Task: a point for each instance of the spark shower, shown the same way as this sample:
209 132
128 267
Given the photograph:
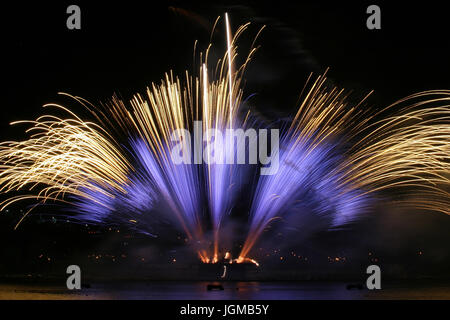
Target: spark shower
336 159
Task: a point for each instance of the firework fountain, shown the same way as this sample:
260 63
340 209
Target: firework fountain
335 159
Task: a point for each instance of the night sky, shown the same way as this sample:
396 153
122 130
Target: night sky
123 48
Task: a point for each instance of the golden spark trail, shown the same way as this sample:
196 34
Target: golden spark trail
405 155
71 157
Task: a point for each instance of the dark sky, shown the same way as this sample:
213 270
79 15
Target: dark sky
124 46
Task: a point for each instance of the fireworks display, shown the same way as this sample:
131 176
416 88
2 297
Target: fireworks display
336 159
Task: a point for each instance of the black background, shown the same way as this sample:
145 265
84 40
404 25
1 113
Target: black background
124 46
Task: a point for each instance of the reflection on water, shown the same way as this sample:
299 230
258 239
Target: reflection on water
187 291
232 290
238 290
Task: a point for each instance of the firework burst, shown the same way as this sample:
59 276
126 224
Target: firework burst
336 159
